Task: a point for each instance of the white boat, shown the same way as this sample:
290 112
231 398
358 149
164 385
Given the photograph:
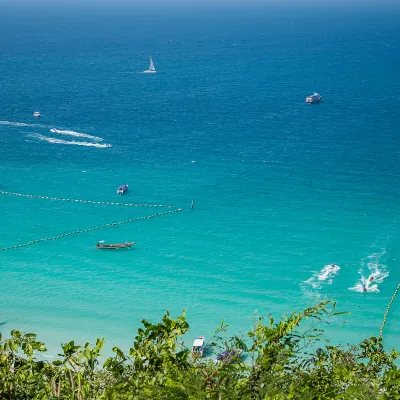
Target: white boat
151 69
122 189
198 347
36 114
314 98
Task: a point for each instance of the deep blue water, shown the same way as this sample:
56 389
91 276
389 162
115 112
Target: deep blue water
281 188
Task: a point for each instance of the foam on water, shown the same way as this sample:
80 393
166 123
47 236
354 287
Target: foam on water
66 132
378 273
21 124
72 142
76 134
323 277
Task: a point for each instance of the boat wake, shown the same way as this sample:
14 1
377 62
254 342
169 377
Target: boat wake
71 142
21 124
323 277
65 132
377 274
76 134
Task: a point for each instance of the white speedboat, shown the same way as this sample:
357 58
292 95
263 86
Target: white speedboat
198 347
122 189
314 98
36 114
151 69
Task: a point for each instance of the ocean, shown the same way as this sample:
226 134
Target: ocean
281 189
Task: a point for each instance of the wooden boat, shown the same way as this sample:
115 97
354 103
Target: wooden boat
102 245
198 347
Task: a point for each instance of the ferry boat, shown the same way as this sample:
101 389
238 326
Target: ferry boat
198 347
122 189
314 98
102 245
36 114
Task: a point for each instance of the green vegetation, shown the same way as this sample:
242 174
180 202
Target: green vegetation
286 359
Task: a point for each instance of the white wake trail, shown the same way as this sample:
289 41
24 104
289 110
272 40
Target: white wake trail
76 134
377 273
21 124
324 277
72 142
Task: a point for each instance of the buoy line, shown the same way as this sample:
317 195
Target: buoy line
108 203
388 309
171 210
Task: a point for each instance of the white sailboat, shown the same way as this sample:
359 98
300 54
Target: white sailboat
151 69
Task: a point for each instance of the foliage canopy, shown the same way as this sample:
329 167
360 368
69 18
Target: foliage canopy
285 359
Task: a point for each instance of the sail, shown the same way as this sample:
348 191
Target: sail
151 68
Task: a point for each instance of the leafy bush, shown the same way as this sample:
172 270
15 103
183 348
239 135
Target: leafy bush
280 360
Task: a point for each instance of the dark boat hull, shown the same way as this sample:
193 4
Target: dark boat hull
114 246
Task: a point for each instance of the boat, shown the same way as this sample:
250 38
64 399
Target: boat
36 114
198 347
314 98
105 246
151 69
228 356
122 189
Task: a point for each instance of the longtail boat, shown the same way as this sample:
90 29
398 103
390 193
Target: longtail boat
102 245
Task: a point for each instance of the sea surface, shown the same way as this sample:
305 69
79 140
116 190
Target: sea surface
281 189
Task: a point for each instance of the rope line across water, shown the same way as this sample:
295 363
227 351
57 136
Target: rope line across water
108 203
388 309
90 229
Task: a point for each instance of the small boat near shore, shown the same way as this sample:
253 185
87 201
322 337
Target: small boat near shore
198 347
122 189
36 114
314 98
105 246
228 356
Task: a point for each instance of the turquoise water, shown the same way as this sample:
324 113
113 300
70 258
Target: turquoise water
281 188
